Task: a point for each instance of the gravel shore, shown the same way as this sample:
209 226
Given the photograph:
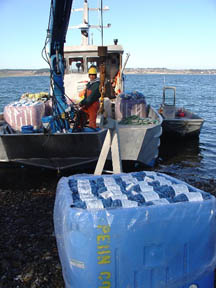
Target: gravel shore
28 252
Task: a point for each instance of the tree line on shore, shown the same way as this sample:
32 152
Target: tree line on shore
46 71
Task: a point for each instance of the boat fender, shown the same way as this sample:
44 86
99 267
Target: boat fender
160 110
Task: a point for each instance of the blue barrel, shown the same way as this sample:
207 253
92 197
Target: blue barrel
157 239
27 129
48 123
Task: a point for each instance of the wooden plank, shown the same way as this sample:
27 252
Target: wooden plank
104 153
111 142
115 152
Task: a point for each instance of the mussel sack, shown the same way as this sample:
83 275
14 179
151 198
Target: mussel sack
129 104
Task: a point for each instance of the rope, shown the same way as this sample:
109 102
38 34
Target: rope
102 86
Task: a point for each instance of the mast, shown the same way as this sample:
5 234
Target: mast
85 29
102 22
85 26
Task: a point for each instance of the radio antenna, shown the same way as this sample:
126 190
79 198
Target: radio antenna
102 22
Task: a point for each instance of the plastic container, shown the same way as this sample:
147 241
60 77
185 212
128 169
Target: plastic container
28 129
47 122
169 245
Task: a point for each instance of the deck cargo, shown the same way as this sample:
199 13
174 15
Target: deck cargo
23 113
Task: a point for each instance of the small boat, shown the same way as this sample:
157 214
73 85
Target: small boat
178 121
25 138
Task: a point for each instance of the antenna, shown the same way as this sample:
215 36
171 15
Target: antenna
85 26
102 22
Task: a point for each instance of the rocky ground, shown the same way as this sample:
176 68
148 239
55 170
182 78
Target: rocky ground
28 252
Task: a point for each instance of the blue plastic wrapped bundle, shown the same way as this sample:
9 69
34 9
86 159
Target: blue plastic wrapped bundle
79 204
153 174
165 191
118 180
144 197
84 190
114 196
128 179
162 201
94 187
94 204
137 197
73 186
155 184
124 203
117 189
116 203
109 181
190 196
140 176
99 183
162 180
140 187
129 188
101 189
146 186
122 243
107 203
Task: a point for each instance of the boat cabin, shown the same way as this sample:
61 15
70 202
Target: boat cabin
79 59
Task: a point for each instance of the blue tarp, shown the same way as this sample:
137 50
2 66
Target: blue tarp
160 238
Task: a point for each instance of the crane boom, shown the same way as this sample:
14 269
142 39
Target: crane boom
58 24
60 11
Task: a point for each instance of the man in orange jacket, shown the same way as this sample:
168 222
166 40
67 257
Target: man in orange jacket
90 104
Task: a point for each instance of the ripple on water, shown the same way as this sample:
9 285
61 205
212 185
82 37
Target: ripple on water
194 92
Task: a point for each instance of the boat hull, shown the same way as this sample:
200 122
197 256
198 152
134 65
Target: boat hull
182 127
56 151
141 142
59 151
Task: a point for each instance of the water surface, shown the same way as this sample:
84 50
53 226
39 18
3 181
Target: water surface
187 159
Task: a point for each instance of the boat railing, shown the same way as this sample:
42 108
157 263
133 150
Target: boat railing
166 88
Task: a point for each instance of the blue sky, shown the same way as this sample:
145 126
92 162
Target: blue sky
158 33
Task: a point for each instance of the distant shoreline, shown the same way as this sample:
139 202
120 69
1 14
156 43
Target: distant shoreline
163 71
23 72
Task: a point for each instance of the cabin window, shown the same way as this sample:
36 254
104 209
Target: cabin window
93 61
76 65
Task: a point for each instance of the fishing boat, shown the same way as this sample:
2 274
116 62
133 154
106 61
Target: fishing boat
178 121
55 139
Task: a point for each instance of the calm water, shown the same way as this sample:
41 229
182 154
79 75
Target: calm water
187 159
197 93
